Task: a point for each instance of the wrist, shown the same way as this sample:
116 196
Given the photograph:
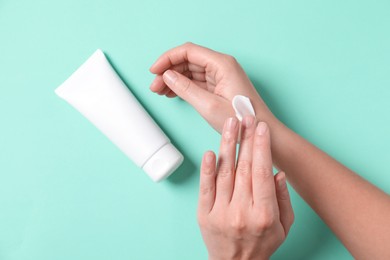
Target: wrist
280 133
263 114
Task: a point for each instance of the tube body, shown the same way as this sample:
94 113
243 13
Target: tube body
98 93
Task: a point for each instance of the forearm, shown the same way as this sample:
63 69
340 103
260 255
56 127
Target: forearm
356 211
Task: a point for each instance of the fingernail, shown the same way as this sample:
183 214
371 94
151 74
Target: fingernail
169 77
209 158
261 128
248 121
152 84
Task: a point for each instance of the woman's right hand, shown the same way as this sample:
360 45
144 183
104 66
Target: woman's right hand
206 79
244 210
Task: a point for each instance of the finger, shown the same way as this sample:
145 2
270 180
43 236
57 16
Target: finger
171 94
189 52
243 181
226 161
186 66
186 74
262 175
158 84
185 88
165 91
199 76
190 71
196 68
284 202
203 85
207 183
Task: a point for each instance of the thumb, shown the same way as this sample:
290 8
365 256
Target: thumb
185 88
284 202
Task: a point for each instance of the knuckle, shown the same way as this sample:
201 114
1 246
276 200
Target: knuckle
243 167
211 106
237 226
228 139
262 171
230 59
212 223
207 171
188 43
224 170
202 220
206 189
246 135
263 223
230 63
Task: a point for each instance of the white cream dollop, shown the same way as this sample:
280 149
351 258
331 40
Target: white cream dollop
242 106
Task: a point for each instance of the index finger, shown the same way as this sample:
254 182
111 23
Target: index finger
263 184
187 52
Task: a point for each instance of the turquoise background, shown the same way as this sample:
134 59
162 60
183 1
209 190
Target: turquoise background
66 192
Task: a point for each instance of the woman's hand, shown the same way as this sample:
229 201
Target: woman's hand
206 79
244 210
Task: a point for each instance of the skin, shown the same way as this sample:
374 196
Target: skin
356 211
244 211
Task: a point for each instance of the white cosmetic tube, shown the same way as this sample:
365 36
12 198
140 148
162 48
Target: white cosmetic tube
98 93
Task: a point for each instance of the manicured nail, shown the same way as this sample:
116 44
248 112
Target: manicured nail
248 121
261 128
169 77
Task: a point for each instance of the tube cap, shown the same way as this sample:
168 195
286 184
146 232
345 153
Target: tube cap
163 163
